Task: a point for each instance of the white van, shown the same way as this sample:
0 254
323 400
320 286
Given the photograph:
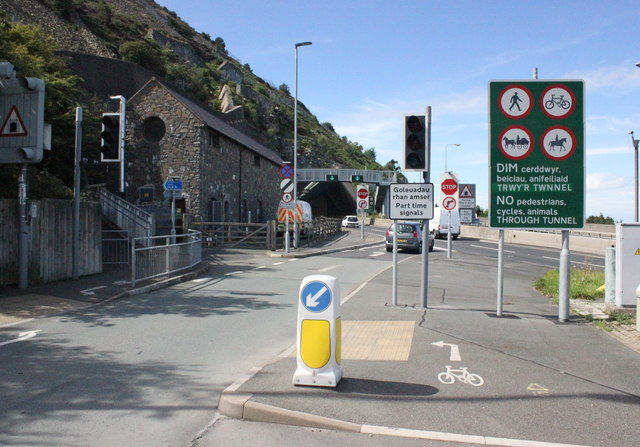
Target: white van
304 216
439 225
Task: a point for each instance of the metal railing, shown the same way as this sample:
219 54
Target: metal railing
156 256
115 247
233 234
138 223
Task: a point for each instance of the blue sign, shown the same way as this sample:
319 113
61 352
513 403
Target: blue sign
316 296
173 185
286 171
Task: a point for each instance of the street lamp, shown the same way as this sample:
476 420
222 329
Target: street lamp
635 146
295 144
445 154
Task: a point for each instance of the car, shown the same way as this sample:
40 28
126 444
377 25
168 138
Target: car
409 237
351 222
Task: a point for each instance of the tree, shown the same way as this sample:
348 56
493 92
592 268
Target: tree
480 212
600 220
32 53
145 54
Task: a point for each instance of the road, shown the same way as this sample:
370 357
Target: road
148 370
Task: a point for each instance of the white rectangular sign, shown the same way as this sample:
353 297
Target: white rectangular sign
411 201
627 263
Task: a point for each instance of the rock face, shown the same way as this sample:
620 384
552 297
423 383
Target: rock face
71 35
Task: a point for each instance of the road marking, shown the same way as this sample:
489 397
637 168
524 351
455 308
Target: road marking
538 390
449 376
87 292
234 273
261 267
378 253
278 263
455 350
293 259
490 248
22 336
548 257
326 269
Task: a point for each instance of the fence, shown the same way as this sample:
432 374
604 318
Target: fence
262 235
115 247
156 256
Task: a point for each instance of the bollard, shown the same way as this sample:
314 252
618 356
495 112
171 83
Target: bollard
319 336
638 308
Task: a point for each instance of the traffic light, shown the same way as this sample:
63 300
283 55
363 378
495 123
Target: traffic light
356 178
415 156
110 137
332 178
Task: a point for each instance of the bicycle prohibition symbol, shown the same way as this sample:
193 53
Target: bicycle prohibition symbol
557 101
462 374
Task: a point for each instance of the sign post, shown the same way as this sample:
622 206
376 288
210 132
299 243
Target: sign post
174 185
536 172
363 204
450 199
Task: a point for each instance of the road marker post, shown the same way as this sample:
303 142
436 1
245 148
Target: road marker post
319 332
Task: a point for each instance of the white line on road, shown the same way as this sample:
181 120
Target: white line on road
91 291
22 336
278 263
326 269
234 273
490 248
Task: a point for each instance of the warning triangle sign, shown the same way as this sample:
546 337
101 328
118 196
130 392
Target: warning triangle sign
638 251
466 192
13 126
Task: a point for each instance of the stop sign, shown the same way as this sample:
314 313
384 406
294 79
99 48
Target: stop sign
449 187
363 193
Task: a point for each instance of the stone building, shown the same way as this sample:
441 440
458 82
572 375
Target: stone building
226 175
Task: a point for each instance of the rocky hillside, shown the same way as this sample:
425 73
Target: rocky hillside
143 32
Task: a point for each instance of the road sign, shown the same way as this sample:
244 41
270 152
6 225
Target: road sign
287 197
536 141
411 201
22 132
286 171
449 191
449 186
363 191
173 184
467 202
286 185
316 296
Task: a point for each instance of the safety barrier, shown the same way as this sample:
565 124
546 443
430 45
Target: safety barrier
156 256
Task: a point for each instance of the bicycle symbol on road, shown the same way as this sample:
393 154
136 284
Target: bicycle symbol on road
462 374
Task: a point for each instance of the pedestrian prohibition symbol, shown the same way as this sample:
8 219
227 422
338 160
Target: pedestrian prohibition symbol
316 296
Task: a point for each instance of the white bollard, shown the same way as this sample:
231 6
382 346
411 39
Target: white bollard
638 308
319 332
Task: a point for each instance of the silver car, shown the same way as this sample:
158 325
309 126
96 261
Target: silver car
409 237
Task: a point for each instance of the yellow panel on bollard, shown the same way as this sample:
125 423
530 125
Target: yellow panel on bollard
319 332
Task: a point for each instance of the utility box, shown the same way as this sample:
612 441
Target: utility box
627 263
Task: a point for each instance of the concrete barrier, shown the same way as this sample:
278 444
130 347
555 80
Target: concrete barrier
590 245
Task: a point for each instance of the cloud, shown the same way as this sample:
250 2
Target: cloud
609 150
615 77
603 181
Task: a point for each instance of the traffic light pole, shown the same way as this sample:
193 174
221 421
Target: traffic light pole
122 109
23 240
424 284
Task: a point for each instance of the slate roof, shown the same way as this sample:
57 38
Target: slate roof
217 124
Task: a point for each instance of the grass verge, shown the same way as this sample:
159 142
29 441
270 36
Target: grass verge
584 284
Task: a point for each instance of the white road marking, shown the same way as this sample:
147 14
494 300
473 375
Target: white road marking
455 350
87 292
490 248
278 263
326 269
22 336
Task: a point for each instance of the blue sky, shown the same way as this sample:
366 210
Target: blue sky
374 61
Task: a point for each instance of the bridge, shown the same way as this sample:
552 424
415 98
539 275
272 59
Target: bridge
383 178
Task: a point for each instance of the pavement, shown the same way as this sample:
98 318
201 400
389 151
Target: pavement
543 383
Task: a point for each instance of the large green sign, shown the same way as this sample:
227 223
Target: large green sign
536 144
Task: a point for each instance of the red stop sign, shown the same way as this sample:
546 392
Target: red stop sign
363 193
449 187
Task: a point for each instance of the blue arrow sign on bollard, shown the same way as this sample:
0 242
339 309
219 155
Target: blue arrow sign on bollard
316 296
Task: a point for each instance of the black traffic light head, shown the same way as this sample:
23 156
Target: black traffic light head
415 156
356 178
110 137
332 178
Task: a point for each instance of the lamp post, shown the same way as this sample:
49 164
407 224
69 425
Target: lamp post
295 146
635 147
445 154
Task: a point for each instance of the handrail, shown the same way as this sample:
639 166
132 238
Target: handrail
127 216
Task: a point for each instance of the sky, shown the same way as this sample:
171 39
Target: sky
374 61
